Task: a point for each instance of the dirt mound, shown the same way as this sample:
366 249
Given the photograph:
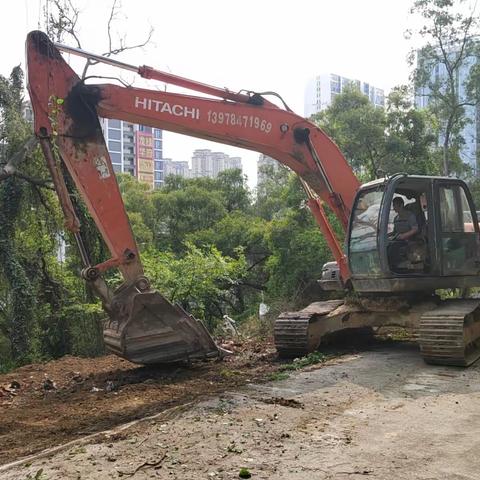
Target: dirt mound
43 405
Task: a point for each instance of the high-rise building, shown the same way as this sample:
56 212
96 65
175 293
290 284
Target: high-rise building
135 149
27 111
470 150
206 163
265 163
180 168
138 150
322 89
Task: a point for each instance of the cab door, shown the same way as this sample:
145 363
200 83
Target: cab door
457 229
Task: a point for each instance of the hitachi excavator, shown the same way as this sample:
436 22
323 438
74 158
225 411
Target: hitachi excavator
393 278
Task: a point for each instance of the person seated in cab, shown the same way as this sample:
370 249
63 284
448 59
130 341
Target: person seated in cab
405 227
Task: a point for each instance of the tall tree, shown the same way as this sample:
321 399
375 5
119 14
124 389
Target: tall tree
442 73
21 233
379 141
410 137
358 127
34 291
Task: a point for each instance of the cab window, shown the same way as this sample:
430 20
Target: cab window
364 256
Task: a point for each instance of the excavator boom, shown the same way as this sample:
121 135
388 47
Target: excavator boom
144 326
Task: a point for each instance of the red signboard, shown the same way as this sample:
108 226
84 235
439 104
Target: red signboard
145 161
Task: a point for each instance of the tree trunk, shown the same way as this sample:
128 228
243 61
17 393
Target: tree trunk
445 159
446 144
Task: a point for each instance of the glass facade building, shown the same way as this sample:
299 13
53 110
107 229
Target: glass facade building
470 133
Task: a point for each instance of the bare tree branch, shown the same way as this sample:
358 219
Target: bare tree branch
10 168
39 182
122 41
124 47
64 20
113 14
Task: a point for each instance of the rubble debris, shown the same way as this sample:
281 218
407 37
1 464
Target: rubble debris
49 384
149 464
284 402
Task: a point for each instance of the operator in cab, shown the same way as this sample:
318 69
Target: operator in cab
405 227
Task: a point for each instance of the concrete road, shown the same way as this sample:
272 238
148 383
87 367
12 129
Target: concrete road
379 414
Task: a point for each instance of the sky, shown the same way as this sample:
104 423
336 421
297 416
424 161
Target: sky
261 45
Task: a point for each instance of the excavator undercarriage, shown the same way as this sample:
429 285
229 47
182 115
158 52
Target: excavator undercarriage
448 332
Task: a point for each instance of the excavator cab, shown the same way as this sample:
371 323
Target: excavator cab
442 253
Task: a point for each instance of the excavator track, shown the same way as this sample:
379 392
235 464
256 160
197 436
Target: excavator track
295 333
450 334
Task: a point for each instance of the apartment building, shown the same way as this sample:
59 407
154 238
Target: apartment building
172 167
322 89
206 163
136 150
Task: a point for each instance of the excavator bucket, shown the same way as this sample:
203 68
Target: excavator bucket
145 328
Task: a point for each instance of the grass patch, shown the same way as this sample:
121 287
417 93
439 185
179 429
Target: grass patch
299 363
227 373
277 376
244 473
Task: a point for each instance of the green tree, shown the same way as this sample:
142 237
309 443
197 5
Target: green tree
35 291
358 128
299 252
297 249
239 233
268 202
200 280
21 305
450 45
184 211
375 141
410 137
234 230
232 185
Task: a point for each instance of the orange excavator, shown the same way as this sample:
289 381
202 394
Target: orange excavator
394 259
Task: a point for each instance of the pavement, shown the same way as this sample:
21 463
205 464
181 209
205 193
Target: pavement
378 414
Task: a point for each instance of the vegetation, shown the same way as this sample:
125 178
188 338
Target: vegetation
377 141
450 46
211 245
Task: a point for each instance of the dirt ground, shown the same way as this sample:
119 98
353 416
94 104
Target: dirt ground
61 400
381 413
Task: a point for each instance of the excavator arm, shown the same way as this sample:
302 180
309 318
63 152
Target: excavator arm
66 111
